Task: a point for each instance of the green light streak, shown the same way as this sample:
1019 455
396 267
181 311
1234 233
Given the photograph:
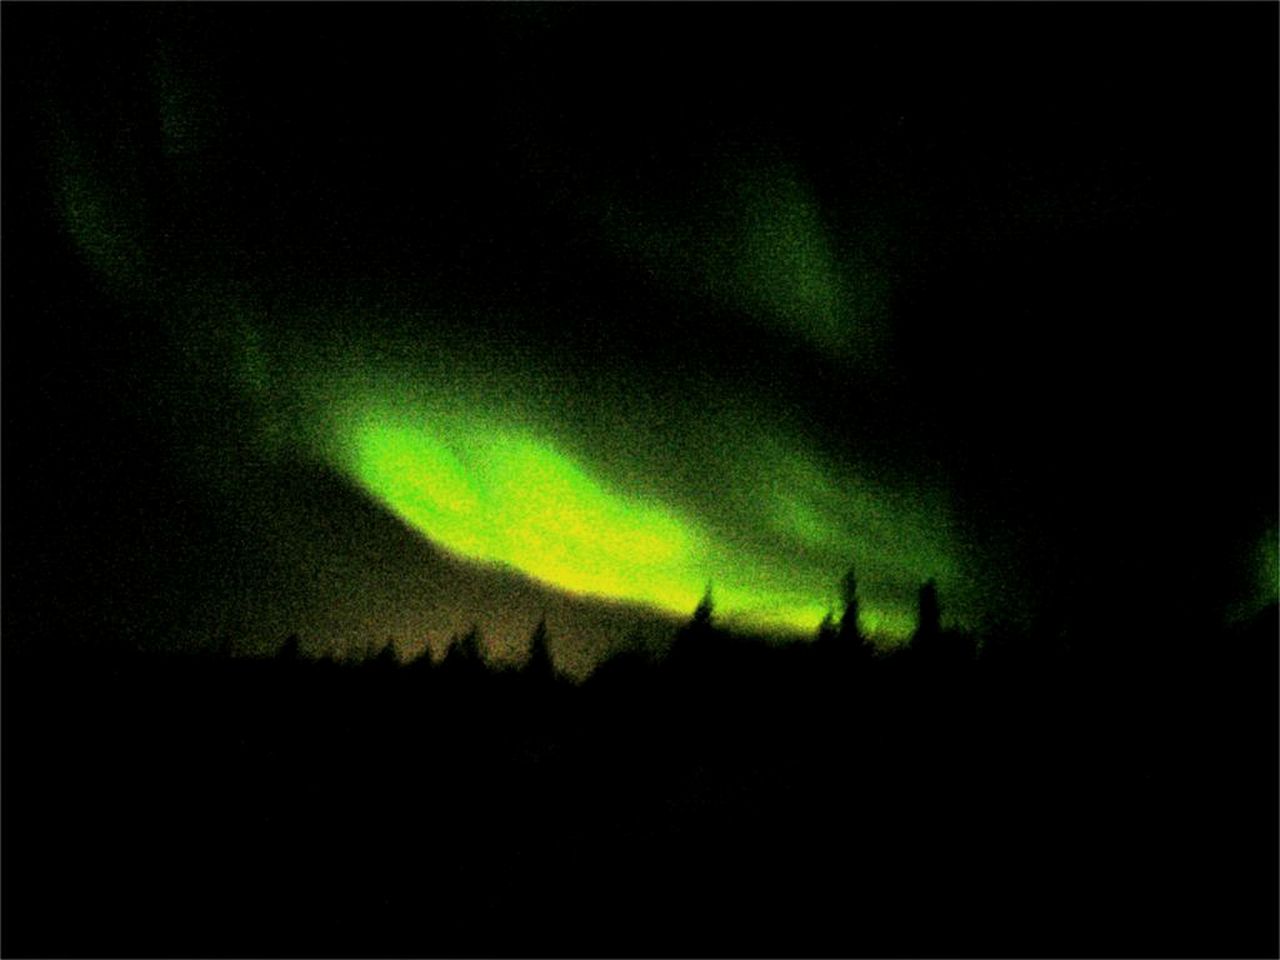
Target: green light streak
106 224
757 239
621 486
491 491
500 497
783 266
1267 565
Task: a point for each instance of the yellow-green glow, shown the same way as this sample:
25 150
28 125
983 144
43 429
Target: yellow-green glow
596 485
893 624
500 497
493 493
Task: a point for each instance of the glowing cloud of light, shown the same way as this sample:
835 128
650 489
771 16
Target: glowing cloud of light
499 497
486 488
488 449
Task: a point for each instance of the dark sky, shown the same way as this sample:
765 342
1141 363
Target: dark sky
989 288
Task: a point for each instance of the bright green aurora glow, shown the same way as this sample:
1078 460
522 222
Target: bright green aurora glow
773 535
504 498
598 480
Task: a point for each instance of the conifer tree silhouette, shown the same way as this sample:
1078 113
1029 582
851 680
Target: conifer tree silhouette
849 635
470 646
703 613
421 663
290 649
929 620
386 658
694 639
539 665
464 652
928 641
827 630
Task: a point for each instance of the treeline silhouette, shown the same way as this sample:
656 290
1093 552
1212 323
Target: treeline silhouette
1001 795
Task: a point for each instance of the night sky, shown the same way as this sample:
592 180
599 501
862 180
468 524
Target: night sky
376 322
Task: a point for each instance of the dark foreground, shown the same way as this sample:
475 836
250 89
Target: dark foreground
741 800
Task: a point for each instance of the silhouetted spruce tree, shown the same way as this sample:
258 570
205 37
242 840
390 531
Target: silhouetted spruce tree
386 658
471 646
421 664
703 613
849 634
539 665
694 639
930 641
845 639
928 619
827 630
289 650
464 651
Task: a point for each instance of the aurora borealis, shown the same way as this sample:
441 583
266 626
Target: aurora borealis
493 494
485 460
593 347
507 499
693 479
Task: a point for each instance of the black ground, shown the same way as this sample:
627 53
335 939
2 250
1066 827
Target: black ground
733 799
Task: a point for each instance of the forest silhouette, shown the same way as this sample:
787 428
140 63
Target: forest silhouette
998 795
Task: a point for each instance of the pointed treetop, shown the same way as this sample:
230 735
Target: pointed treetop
929 619
387 656
705 609
539 660
849 588
289 650
827 629
849 631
